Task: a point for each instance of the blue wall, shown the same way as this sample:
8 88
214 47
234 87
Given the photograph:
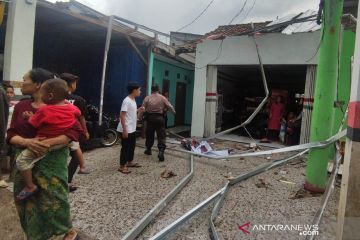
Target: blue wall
124 66
86 60
63 55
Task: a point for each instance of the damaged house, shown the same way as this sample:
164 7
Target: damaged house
228 76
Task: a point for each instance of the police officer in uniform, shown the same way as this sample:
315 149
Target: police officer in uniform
155 106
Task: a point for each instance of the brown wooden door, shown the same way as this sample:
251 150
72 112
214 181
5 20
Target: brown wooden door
166 87
180 104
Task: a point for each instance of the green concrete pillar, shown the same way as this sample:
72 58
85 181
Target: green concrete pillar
150 71
323 113
344 84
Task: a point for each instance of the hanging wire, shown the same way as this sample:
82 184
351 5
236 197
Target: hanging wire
219 51
305 19
202 13
250 9
222 40
338 72
320 15
238 14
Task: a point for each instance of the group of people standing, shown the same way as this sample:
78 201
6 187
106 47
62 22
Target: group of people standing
42 130
282 127
153 110
46 128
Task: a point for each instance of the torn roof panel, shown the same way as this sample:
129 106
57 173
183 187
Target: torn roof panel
310 26
286 18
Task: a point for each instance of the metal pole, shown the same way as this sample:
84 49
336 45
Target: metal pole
262 168
323 113
261 105
312 145
329 190
173 226
136 50
349 205
107 46
150 69
150 216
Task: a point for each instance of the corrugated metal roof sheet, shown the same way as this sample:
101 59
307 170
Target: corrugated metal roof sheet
283 19
310 26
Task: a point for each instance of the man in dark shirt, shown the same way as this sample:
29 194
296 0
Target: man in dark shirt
80 103
77 157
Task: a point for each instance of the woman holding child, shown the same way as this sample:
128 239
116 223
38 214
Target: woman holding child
47 212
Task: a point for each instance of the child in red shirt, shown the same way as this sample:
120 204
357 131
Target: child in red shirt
51 120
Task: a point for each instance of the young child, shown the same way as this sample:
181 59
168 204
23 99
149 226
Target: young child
10 94
290 129
51 121
127 128
282 131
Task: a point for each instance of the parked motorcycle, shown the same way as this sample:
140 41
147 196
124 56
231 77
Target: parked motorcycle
104 135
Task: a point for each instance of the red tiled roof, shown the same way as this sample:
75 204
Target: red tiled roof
234 30
221 32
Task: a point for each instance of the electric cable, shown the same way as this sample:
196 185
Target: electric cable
319 20
238 14
202 13
248 12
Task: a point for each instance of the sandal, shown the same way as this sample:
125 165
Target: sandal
124 170
25 194
77 237
72 188
83 172
134 165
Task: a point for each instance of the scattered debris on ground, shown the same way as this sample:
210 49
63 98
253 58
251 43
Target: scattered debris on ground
302 193
168 174
262 184
117 200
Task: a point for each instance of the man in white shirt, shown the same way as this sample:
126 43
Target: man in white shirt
127 128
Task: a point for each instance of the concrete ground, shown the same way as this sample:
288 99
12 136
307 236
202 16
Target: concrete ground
109 203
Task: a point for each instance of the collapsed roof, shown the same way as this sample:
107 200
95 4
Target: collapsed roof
289 24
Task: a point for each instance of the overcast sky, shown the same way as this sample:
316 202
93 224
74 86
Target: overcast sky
170 15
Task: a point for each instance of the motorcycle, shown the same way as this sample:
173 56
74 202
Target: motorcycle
104 135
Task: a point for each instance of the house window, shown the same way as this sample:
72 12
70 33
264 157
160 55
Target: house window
166 73
186 77
178 76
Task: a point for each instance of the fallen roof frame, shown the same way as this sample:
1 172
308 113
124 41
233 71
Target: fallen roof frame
218 195
150 216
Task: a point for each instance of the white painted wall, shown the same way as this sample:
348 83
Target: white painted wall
275 49
211 101
198 112
19 41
